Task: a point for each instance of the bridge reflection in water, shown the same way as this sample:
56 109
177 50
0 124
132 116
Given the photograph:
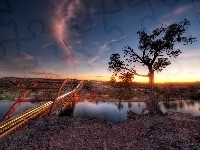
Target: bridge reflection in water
59 90
68 107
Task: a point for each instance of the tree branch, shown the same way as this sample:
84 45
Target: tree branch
154 58
134 72
134 54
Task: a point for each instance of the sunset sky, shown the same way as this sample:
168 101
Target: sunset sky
75 39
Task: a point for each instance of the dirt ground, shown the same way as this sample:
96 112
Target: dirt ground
172 131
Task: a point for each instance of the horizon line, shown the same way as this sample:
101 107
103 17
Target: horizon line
107 80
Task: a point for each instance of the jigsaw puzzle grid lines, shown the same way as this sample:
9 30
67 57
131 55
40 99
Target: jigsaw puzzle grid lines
17 39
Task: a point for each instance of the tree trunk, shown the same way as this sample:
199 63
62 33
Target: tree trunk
152 104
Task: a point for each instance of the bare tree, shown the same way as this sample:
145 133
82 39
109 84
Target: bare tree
154 46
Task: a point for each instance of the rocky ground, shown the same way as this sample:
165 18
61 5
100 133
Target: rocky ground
172 131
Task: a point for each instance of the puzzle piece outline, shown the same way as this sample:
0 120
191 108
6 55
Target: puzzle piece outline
87 15
17 39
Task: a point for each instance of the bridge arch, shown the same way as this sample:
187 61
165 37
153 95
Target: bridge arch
58 86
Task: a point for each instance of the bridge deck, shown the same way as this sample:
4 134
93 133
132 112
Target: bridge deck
21 120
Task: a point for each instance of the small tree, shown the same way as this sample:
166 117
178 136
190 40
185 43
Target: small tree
112 79
121 90
152 48
126 77
126 85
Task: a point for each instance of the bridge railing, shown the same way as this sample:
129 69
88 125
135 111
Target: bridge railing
61 99
21 120
39 85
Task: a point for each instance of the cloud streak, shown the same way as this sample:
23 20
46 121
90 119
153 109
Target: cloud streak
64 15
24 57
106 46
46 45
178 12
44 73
93 59
168 19
181 10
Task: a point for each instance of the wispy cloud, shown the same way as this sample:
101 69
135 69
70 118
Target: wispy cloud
167 23
181 10
93 59
106 46
44 73
46 45
100 76
78 42
65 12
72 61
24 57
178 11
100 49
169 18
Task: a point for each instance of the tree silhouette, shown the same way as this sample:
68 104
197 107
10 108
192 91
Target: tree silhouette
126 77
121 90
155 54
112 79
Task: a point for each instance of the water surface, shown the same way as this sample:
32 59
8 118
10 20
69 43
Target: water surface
111 111
115 111
5 105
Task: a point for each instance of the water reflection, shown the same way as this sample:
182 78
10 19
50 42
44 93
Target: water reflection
184 106
5 105
117 111
129 105
111 111
170 104
67 109
181 104
119 105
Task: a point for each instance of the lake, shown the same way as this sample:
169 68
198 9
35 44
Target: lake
6 104
111 111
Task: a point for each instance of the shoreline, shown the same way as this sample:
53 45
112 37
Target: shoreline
115 100
136 99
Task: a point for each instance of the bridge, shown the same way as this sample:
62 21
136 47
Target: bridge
52 95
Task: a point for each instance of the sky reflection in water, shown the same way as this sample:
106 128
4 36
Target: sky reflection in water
111 111
184 106
115 111
5 105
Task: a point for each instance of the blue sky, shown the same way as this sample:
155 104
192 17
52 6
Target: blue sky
74 39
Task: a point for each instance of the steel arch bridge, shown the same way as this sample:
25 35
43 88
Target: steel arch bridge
52 95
